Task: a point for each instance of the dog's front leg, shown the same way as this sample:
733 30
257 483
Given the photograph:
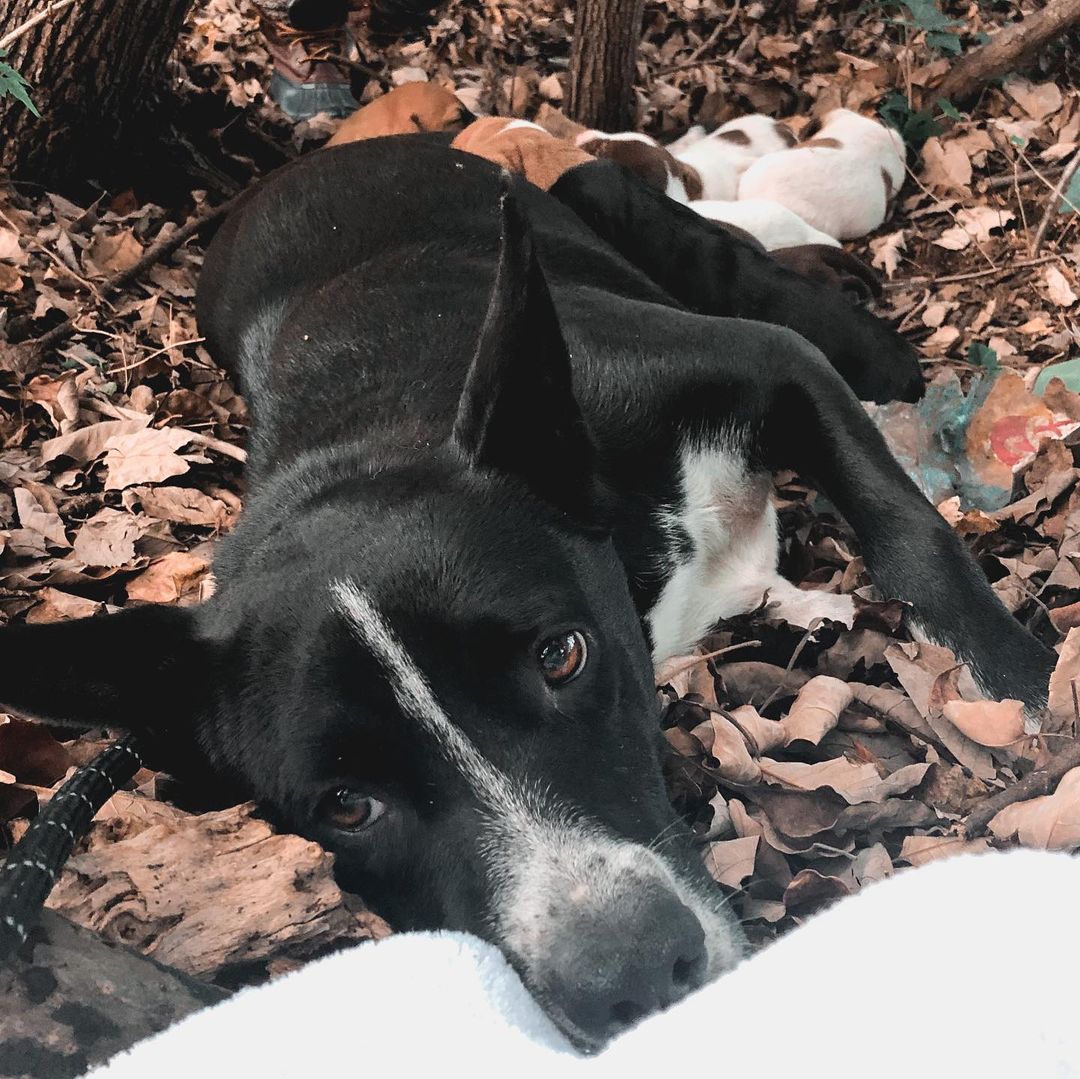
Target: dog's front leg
771 392
715 273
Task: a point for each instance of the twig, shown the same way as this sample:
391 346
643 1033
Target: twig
1056 197
707 44
1009 268
226 449
41 16
693 661
154 253
810 631
996 183
1041 781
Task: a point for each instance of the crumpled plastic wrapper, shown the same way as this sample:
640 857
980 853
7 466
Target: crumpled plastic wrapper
972 445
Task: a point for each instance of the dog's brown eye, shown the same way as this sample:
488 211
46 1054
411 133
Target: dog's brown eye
562 658
350 810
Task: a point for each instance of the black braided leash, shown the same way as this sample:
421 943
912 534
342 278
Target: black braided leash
31 868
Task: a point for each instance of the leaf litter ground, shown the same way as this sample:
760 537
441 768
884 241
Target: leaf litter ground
810 764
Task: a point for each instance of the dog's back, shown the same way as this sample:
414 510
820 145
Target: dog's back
385 302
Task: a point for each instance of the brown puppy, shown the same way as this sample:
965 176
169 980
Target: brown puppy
416 106
522 147
647 159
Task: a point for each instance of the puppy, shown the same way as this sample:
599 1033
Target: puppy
840 182
521 147
647 159
721 157
416 106
772 224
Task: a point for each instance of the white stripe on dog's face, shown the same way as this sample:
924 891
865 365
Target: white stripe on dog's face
539 855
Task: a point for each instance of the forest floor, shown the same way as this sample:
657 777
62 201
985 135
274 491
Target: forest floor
810 764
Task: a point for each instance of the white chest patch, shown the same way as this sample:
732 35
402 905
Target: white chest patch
729 563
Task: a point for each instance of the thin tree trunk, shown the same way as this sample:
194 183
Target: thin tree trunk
92 69
603 63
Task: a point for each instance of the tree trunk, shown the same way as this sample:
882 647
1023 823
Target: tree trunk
92 67
603 63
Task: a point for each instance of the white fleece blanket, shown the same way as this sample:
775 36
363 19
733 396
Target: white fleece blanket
967 967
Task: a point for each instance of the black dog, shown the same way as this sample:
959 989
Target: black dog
469 535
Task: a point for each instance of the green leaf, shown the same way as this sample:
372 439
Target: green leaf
981 355
12 84
944 42
949 109
1070 197
914 127
927 16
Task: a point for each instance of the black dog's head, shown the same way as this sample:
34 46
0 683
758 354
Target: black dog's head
435 669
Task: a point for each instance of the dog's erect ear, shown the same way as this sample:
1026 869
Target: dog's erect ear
143 668
517 412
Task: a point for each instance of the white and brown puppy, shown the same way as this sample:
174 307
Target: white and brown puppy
841 181
721 157
647 159
771 224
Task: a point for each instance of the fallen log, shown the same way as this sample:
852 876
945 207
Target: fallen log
217 895
69 1000
1008 49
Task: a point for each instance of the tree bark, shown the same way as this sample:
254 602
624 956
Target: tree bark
603 63
69 1001
92 69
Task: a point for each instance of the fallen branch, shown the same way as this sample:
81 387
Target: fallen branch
41 16
1009 268
28 354
1055 200
1041 781
1007 49
996 183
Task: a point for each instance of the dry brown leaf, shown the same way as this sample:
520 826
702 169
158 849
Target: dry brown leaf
30 753
108 539
989 723
10 278
917 850
147 456
974 223
36 518
88 443
888 251
854 781
10 248
171 578
724 742
1051 822
112 253
1058 287
731 861
186 505
1038 100
1064 700
946 166
816 710
810 890
55 606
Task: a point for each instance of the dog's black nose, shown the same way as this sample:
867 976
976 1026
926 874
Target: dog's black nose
631 969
